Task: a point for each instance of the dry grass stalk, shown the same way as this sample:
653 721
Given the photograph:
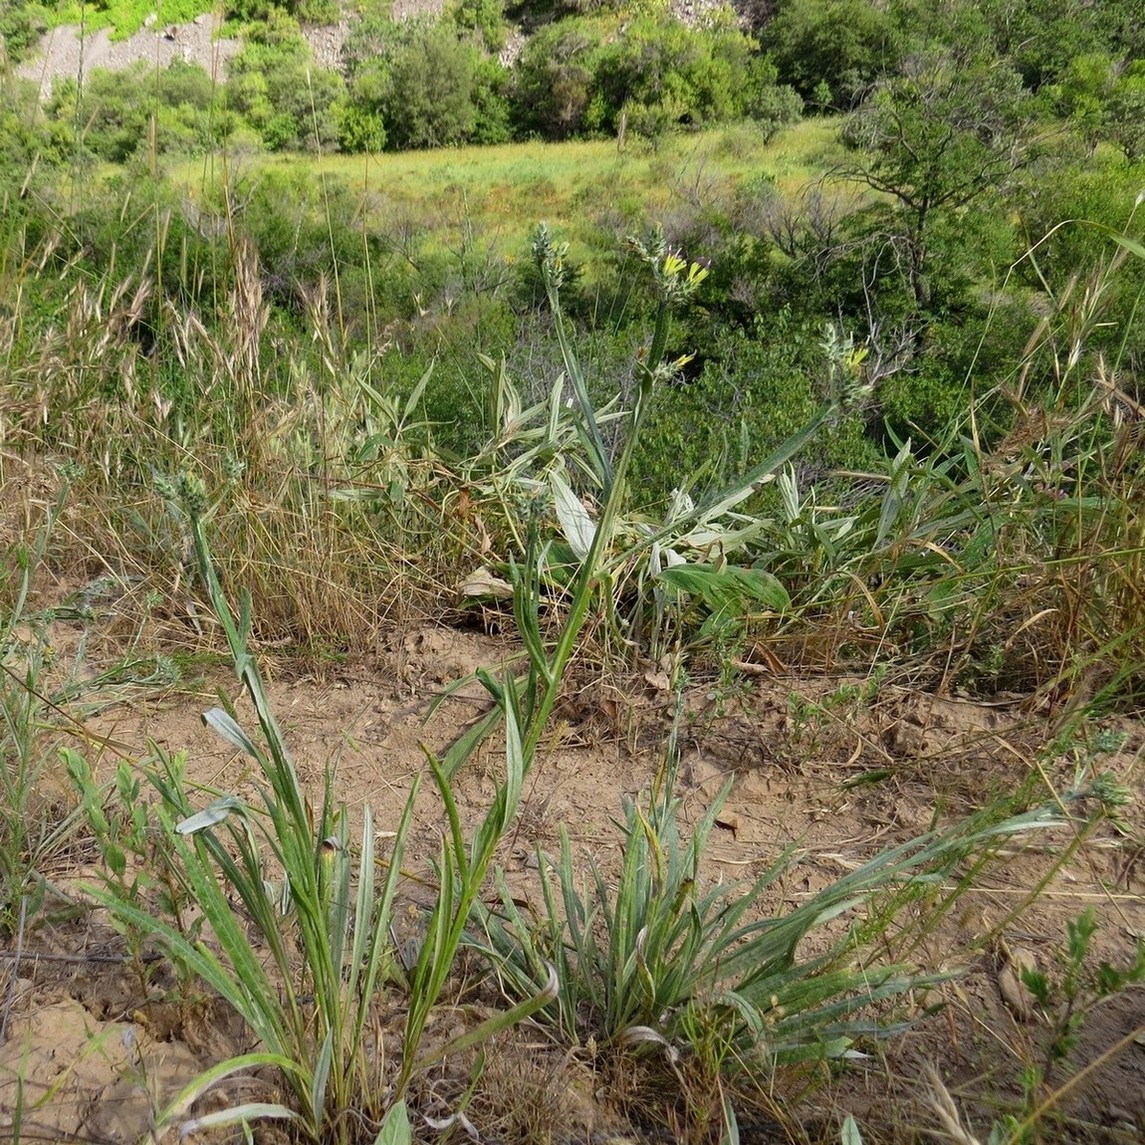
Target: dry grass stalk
944 1109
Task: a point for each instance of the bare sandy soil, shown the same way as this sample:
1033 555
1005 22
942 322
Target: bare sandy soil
96 1049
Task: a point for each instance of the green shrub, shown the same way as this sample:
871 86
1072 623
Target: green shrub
842 45
1126 112
1045 36
774 107
663 73
753 393
276 86
554 79
485 18
25 140
429 101
423 82
493 112
359 127
21 26
303 228
114 108
142 111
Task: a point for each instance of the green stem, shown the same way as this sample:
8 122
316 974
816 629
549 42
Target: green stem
659 336
588 579
595 441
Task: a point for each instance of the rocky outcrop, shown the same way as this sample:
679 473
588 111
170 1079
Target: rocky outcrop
65 52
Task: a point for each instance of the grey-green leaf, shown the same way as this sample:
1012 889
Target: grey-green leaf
211 815
221 722
396 1129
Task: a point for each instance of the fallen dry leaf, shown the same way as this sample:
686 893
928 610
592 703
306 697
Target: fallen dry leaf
1018 1000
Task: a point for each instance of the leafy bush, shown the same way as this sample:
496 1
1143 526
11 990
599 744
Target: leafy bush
774 107
657 73
841 45
25 140
755 391
21 25
1044 37
305 11
276 86
303 230
661 72
114 108
555 82
493 112
428 101
424 84
360 128
1126 113
485 18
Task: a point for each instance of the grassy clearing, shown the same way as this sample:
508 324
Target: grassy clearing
502 192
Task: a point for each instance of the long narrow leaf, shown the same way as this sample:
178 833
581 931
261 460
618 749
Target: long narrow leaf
210 1077
228 728
237 1115
575 522
211 815
497 1023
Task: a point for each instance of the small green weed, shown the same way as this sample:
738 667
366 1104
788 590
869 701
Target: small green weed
306 970
810 721
137 868
34 824
1066 998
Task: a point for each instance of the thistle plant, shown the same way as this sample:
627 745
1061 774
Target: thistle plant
607 546
529 701
659 956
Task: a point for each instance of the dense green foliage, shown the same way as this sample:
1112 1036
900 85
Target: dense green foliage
588 69
439 82
968 142
832 50
417 81
20 27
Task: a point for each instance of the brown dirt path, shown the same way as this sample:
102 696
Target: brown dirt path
793 753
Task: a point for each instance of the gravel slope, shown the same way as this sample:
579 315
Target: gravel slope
64 53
